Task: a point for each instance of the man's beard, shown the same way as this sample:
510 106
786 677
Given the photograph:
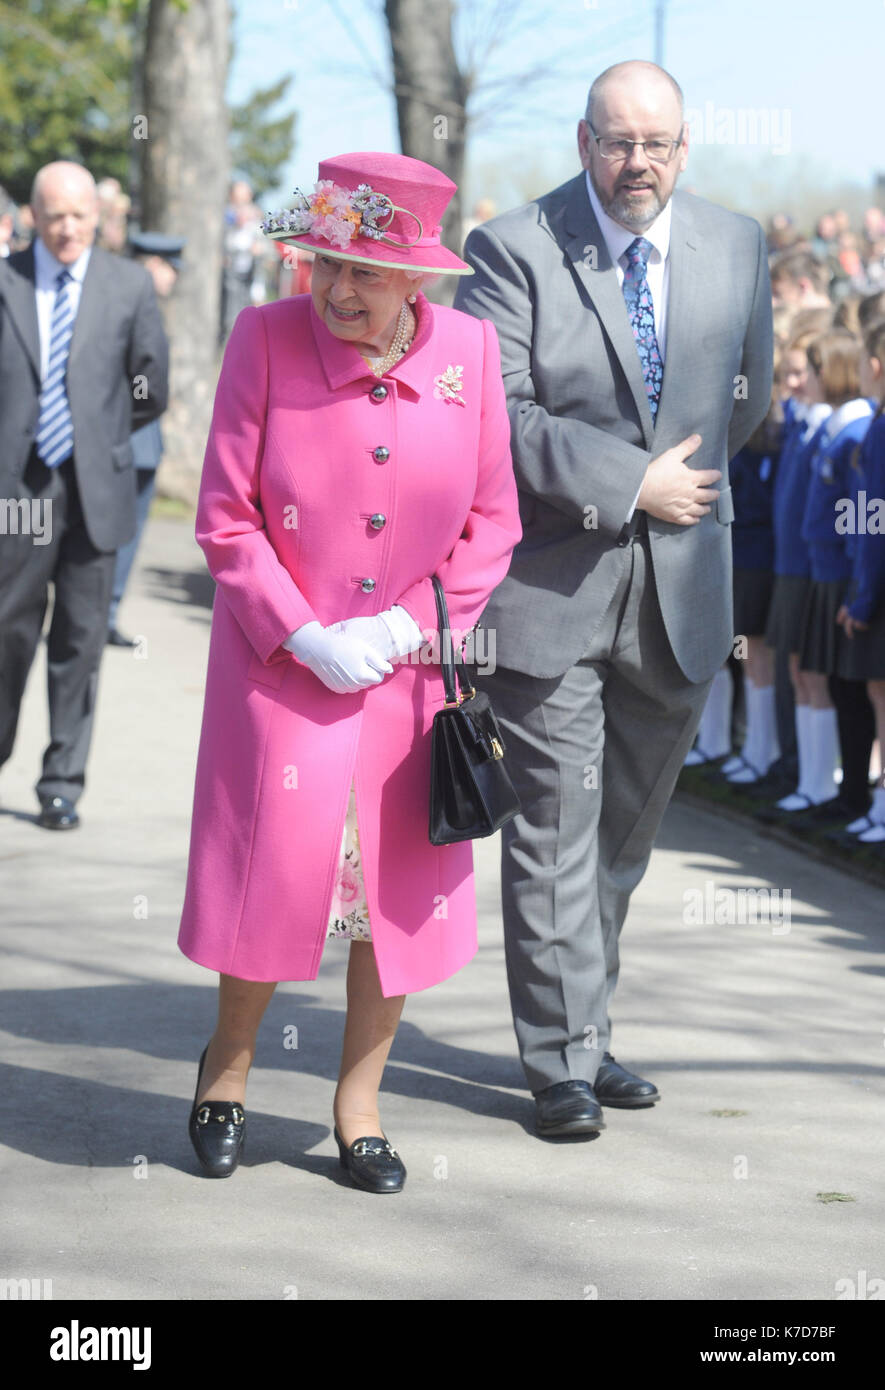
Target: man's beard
621 208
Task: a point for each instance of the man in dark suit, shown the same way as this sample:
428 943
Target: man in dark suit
636 350
83 361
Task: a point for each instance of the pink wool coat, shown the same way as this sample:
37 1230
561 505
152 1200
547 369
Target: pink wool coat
324 499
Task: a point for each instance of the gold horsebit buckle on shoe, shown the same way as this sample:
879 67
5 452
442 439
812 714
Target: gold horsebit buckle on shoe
362 1147
204 1115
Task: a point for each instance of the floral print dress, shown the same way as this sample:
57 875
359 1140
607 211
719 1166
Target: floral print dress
349 913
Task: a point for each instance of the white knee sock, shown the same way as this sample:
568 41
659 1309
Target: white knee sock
766 748
760 745
799 798
714 730
825 752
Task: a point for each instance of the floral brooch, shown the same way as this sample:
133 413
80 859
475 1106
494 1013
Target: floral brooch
449 385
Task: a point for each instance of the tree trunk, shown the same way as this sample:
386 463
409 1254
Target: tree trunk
185 175
431 96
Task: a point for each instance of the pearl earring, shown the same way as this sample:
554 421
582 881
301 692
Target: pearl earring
411 298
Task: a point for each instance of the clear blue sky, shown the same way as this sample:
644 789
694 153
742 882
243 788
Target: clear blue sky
813 70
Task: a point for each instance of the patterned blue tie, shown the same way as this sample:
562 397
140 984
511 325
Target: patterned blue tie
55 428
642 319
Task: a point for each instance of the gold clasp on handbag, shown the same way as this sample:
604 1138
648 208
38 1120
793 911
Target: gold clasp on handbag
463 697
497 750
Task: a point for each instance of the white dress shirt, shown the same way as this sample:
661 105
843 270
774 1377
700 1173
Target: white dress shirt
46 269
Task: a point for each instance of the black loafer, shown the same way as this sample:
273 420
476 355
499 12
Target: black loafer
217 1130
568 1107
116 639
616 1086
57 813
372 1164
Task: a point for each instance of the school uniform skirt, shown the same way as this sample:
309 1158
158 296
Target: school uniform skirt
783 628
862 656
821 636
752 600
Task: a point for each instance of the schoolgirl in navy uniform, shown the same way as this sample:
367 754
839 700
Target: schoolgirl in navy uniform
785 600
805 416
834 360
862 617
752 474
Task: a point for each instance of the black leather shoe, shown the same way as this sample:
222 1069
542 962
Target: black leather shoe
831 812
568 1107
217 1130
776 815
841 836
116 639
616 1086
57 813
780 780
372 1164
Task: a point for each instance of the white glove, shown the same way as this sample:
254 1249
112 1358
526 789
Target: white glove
394 633
344 662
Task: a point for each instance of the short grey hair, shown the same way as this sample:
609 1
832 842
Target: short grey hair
65 166
615 70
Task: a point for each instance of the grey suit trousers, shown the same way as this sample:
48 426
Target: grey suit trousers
594 754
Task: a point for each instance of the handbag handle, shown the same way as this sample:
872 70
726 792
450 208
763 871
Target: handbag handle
453 668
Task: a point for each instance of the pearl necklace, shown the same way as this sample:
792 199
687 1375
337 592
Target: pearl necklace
402 340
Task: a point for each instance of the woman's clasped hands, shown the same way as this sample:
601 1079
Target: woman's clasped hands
355 653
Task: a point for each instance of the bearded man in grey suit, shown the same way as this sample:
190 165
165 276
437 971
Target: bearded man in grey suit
83 362
636 348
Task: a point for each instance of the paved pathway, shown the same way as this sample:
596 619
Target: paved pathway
766 1043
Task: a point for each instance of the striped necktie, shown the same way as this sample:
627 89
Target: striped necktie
642 319
55 428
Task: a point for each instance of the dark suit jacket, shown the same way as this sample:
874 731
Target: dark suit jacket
582 429
117 380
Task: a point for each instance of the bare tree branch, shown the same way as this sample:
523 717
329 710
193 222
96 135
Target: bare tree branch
382 78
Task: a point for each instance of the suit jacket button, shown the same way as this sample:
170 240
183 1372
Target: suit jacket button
367 586
378 394
379 521
381 454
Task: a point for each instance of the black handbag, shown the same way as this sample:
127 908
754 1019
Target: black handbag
471 794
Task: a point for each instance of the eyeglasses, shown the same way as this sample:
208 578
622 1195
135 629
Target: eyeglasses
658 151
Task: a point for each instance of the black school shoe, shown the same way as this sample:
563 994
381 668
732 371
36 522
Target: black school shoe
829 813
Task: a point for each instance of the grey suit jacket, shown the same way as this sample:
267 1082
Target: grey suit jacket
117 380
582 429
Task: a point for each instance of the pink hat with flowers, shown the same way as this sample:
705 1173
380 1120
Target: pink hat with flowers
385 208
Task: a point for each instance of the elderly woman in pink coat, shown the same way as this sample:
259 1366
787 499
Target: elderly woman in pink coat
360 444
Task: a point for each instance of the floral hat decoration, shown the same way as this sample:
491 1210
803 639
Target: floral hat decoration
386 208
